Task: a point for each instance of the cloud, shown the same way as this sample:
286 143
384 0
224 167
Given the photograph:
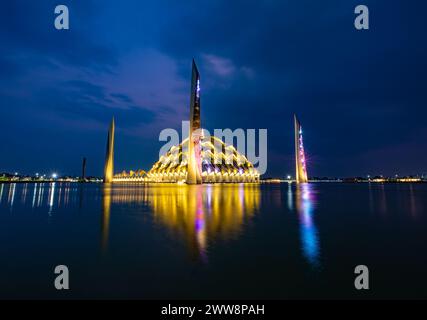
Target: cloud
224 67
121 97
218 65
27 30
151 80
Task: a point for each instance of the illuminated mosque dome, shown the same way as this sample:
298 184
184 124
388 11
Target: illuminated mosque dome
219 162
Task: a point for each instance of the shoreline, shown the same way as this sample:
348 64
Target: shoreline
261 182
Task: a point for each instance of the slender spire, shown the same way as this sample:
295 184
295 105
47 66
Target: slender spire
195 98
194 167
300 160
84 169
109 156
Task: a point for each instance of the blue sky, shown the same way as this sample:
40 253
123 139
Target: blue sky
360 95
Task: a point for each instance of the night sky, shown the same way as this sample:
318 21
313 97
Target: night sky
361 96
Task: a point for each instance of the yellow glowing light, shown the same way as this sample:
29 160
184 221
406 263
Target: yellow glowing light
225 168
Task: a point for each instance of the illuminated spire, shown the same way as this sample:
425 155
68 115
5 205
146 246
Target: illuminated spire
300 160
194 175
109 156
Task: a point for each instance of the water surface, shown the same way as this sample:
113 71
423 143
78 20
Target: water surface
275 241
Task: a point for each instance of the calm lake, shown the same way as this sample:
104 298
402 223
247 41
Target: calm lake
276 241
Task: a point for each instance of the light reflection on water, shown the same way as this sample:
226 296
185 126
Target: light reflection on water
197 214
202 215
290 197
11 197
56 198
305 205
277 235
105 217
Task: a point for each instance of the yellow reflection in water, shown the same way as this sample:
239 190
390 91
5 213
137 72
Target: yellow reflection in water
202 213
105 217
198 214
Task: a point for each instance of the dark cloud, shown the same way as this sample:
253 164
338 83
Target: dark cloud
121 97
27 28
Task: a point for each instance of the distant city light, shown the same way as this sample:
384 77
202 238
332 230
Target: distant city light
289 177
54 175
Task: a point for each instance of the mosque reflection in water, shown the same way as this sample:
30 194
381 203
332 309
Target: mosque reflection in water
202 214
198 214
